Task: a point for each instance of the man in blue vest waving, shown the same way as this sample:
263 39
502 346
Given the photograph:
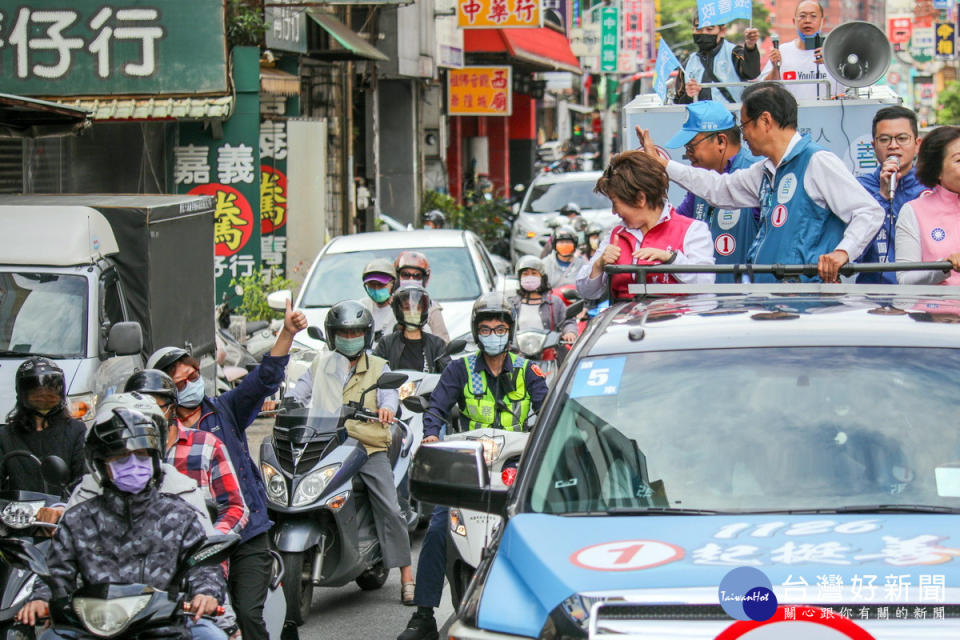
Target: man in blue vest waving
711 140
494 388
813 211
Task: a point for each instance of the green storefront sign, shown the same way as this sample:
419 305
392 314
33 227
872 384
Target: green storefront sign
125 47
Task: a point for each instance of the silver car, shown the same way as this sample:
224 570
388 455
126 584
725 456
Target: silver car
547 194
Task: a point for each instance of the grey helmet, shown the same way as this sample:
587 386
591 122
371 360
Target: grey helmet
533 262
348 314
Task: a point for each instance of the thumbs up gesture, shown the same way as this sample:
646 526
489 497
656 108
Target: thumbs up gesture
293 321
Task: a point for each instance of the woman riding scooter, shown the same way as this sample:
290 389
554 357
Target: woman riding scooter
536 307
409 346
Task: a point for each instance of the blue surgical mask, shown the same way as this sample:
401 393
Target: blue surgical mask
493 344
378 295
191 395
131 474
349 347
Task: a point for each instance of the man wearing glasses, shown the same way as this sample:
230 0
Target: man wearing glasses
494 388
711 140
813 211
895 143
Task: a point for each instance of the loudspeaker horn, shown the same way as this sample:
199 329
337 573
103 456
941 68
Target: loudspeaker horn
856 53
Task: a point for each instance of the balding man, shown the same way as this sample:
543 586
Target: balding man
802 58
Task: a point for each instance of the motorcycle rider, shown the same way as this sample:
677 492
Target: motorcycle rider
569 214
413 268
494 389
197 454
593 233
434 219
564 264
132 533
227 416
379 281
348 330
535 306
41 424
409 347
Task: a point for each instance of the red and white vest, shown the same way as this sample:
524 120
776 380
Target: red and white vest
668 234
938 219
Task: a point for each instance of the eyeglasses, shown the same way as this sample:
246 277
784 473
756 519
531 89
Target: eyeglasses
743 125
413 274
502 330
193 377
901 138
691 146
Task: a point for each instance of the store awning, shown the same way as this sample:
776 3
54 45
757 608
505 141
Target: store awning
278 83
542 48
106 108
22 117
353 46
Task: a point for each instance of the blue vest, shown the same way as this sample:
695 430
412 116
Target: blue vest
793 228
723 70
734 230
882 248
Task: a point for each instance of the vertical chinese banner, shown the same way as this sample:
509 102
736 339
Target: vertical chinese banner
227 168
273 195
609 39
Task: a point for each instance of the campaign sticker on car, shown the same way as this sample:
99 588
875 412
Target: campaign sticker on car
598 377
626 555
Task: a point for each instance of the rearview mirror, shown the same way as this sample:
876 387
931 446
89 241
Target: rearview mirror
391 380
454 474
417 404
454 346
125 339
315 332
214 550
574 309
55 471
278 299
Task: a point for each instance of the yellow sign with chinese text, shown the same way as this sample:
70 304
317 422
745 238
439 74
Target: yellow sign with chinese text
498 14
479 91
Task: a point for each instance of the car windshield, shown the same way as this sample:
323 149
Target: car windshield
337 276
762 429
549 198
42 313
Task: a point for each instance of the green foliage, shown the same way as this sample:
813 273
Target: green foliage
444 202
948 104
245 23
680 36
485 217
256 287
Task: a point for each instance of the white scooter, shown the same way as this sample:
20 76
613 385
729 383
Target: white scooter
472 531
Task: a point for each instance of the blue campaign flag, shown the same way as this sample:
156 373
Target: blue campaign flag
666 62
721 12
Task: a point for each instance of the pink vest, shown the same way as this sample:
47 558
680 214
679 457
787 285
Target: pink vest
668 234
938 218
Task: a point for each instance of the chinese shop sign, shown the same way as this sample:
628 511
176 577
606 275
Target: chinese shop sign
479 91
86 47
498 14
273 194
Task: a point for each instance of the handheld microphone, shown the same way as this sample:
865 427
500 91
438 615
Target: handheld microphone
775 39
893 178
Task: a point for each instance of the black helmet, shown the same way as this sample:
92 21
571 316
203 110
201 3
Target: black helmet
411 296
39 373
570 209
153 382
436 218
492 306
125 422
348 314
565 232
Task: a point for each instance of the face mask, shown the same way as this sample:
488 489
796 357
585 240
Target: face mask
594 242
348 346
530 283
411 318
191 395
565 249
132 473
705 41
378 295
493 344
404 283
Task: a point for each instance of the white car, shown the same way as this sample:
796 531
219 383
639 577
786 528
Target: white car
547 194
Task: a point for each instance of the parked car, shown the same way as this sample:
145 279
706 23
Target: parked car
811 437
547 194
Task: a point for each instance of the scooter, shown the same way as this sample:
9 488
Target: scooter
543 346
324 523
18 511
472 531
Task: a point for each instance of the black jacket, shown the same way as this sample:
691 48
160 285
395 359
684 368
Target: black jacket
63 437
390 348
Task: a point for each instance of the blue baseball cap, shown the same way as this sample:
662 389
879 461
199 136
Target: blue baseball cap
706 115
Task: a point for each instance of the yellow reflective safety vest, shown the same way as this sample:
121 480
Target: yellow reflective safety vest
481 409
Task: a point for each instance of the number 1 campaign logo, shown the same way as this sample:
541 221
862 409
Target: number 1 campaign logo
746 594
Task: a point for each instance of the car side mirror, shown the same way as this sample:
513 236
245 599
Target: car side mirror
125 339
454 474
315 332
278 299
417 404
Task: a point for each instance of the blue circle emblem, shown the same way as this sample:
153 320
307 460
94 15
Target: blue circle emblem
938 234
746 594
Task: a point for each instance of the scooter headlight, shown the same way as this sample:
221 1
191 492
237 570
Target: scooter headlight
276 485
20 515
491 447
313 485
108 617
531 343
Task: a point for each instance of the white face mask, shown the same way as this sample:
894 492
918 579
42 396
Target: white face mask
530 283
411 318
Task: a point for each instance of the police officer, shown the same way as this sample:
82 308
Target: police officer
494 388
711 140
